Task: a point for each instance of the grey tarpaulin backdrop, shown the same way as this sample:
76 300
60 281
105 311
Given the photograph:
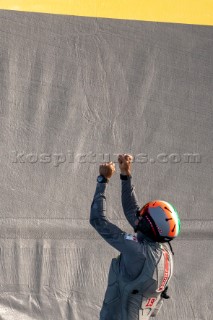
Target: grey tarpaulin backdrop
70 86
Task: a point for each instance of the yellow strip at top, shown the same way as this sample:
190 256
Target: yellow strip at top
176 11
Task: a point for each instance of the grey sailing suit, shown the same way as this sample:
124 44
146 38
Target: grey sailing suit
142 270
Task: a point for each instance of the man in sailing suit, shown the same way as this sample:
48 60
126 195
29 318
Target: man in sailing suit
139 276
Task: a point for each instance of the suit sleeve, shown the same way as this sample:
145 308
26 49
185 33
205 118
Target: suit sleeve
112 234
129 201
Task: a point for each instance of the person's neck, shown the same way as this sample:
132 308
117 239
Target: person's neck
141 236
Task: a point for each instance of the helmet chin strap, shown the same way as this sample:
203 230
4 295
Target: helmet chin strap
170 246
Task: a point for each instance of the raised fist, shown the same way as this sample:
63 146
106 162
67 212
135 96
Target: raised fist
107 169
124 161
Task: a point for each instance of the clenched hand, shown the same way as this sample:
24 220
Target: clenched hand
107 169
124 161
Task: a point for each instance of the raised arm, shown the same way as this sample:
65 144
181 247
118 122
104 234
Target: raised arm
116 237
129 200
128 195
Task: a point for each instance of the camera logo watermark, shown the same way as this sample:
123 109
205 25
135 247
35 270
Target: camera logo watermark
57 159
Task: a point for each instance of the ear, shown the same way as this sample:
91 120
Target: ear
136 222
